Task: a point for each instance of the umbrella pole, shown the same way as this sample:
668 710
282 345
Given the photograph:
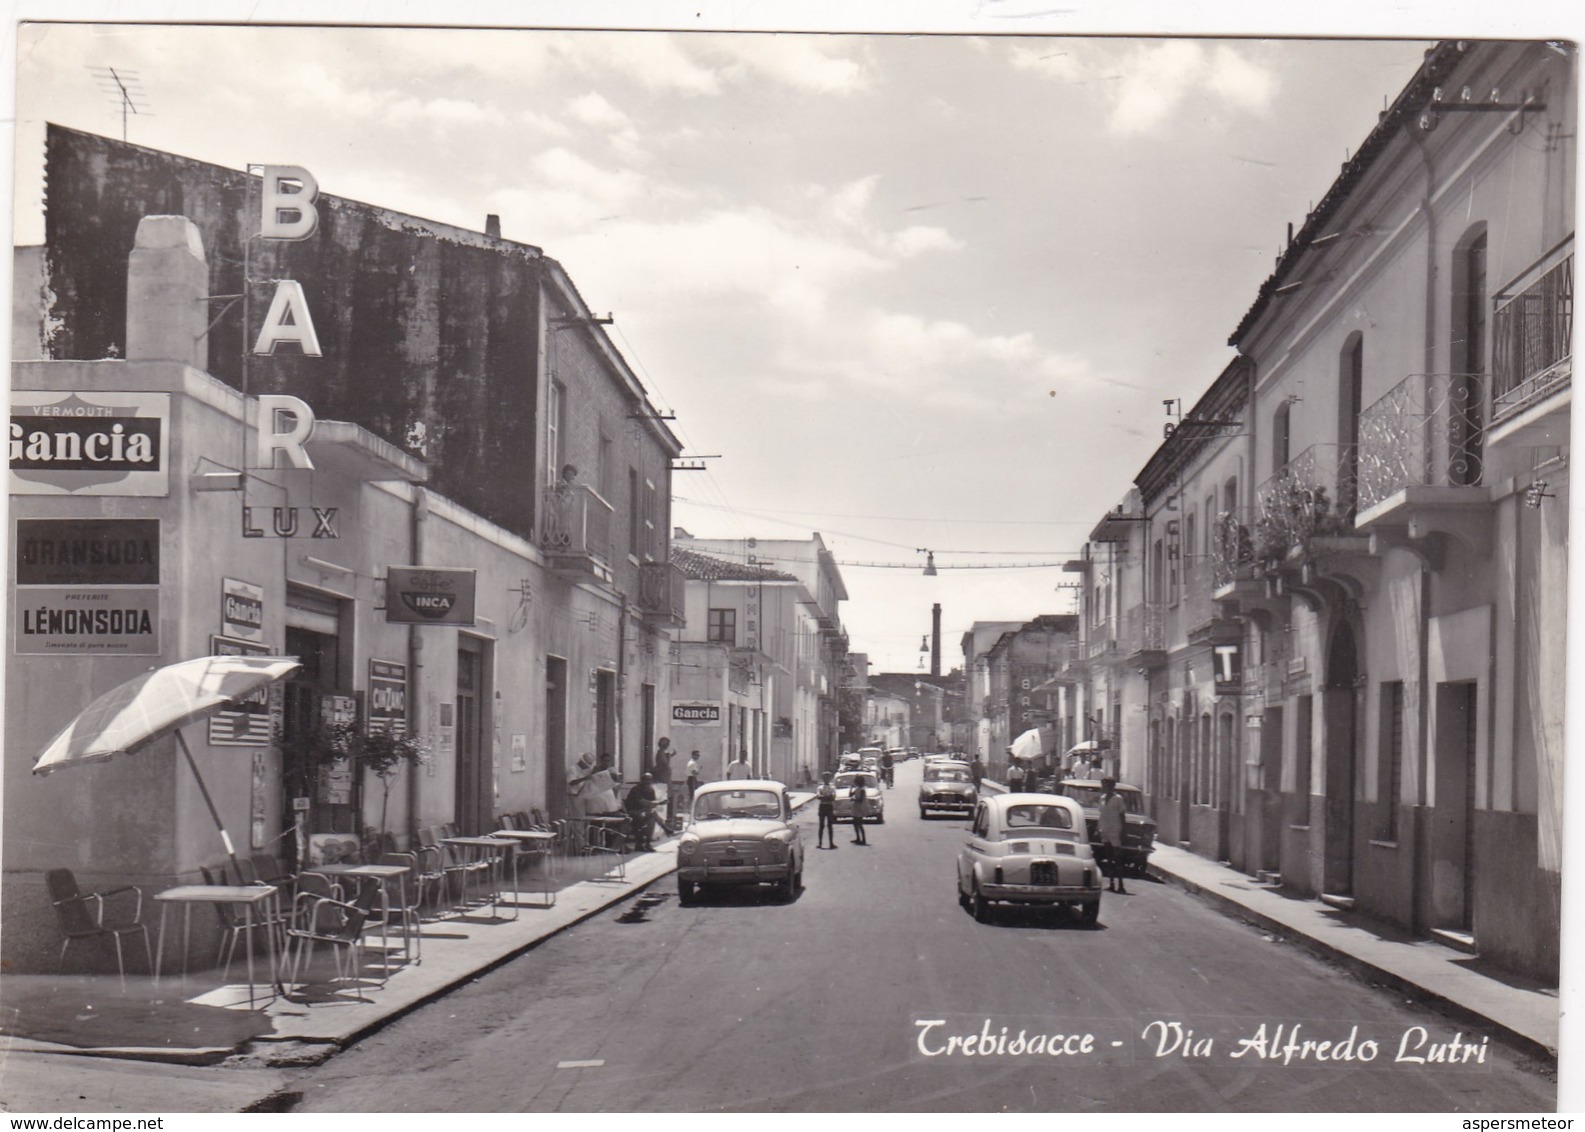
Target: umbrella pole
208 801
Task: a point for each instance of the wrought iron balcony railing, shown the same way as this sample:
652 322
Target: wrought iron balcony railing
662 589
1232 547
1426 432
1313 494
1146 628
1532 327
576 521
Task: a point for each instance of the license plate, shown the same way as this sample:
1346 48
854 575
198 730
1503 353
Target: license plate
1042 872
730 862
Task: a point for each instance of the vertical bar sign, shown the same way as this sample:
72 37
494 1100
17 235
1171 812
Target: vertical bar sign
387 697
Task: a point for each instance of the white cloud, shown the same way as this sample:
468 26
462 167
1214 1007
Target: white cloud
808 62
1240 81
1154 82
594 109
655 62
919 239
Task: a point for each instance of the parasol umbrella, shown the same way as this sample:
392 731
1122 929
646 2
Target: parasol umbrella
1027 745
148 707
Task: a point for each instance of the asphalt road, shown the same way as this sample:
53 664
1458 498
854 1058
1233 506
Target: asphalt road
849 997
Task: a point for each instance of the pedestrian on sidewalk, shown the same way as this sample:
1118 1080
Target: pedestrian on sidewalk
976 771
1112 822
740 769
858 796
660 766
826 797
693 777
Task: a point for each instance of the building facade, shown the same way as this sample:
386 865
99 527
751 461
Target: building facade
434 480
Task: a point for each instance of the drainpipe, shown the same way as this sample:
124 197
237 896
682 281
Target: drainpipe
621 673
415 644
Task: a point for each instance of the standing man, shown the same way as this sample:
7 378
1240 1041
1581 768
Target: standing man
976 771
693 776
1112 823
826 796
886 767
740 768
660 766
858 796
1015 772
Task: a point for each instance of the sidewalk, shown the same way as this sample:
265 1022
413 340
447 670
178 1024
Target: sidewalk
1524 1012
82 1043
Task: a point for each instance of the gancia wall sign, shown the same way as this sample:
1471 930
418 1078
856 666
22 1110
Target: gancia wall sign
81 443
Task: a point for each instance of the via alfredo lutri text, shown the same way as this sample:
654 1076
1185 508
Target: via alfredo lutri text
1263 1043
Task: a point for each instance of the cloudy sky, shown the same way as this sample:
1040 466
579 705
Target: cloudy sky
916 291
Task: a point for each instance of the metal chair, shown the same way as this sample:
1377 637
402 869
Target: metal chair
610 841
87 915
324 919
232 926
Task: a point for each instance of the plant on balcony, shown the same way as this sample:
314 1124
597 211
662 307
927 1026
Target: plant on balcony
1292 513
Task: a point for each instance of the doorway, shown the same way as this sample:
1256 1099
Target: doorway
475 784
556 736
1453 820
1340 716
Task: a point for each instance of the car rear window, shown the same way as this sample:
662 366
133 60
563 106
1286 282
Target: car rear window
1032 815
947 774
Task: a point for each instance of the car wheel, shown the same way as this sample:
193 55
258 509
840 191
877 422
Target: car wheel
789 885
980 906
922 813
685 891
880 819
1090 913
963 897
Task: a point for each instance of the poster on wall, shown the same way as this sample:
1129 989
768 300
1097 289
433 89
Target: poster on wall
387 697
89 443
87 587
250 721
335 780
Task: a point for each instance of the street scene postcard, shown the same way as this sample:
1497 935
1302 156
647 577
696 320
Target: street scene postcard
684 567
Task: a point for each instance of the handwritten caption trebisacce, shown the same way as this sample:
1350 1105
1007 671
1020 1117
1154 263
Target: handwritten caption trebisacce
1233 1042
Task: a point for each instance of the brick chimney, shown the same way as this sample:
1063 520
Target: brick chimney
167 280
492 226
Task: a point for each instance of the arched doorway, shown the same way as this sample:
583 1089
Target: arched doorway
1341 714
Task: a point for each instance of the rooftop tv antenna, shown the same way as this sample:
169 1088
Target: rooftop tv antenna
125 88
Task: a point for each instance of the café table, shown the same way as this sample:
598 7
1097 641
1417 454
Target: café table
381 875
536 843
492 851
249 897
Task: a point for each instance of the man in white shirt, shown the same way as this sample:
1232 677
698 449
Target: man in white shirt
739 769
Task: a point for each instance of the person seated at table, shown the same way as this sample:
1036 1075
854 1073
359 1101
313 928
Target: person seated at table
640 803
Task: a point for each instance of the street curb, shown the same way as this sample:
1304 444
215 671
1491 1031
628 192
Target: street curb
259 1046
1525 1044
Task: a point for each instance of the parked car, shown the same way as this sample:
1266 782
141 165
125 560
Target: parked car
1139 828
742 833
874 803
947 786
1029 849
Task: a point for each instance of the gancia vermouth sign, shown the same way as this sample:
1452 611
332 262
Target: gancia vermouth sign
82 443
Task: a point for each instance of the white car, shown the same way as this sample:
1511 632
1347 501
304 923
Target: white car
1029 849
874 803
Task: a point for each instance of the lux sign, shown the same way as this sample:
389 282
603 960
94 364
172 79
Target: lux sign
289 214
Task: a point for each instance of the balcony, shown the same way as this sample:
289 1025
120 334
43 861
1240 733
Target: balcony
1421 461
575 531
662 587
1232 550
1311 497
1532 356
1146 635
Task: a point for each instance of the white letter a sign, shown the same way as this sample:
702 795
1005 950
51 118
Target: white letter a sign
288 321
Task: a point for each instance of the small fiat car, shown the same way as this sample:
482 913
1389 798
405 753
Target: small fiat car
947 787
1029 849
874 803
742 833
1139 828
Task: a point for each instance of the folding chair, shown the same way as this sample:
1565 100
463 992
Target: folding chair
87 915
